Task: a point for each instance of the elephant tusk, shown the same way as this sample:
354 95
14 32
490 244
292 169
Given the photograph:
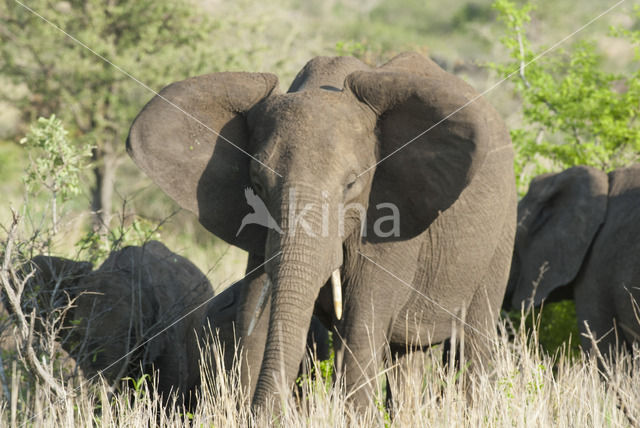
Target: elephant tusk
259 306
336 288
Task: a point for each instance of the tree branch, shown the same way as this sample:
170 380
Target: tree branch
10 279
527 84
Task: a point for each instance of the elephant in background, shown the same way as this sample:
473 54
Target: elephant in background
577 238
119 308
392 190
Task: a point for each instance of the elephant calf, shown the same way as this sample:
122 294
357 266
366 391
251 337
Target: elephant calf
127 313
577 237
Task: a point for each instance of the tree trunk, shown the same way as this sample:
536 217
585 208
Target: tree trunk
104 170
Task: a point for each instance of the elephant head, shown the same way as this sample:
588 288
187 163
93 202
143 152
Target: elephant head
339 163
558 220
128 313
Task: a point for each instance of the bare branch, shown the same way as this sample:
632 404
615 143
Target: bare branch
10 279
527 84
523 64
623 397
36 367
3 378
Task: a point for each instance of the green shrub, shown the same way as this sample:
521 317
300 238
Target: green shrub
574 112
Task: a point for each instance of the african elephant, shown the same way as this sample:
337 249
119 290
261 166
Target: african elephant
136 294
577 237
389 190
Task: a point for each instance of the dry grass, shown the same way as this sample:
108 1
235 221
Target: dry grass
525 389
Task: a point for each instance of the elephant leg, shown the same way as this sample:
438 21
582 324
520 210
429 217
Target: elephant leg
361 360
406 374
372 300
484 307
361 341
594 307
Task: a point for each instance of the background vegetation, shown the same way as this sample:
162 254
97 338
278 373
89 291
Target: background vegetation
577 104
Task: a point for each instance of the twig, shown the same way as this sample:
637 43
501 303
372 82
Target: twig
612 380
36 367
544 267
3 377
523 64
527 84
8 276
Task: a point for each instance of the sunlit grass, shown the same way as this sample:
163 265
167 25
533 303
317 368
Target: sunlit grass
525 388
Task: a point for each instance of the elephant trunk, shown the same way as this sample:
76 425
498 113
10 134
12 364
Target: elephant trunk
305 264
289 322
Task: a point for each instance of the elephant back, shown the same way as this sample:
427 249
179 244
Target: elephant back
145 295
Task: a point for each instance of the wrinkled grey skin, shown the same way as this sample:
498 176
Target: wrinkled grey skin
224 312
135 294
453 187
583 223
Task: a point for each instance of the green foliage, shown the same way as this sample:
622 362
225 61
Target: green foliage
86 81
350 48
156 41
55 162
382 409
574 112
95 247
325 369
632 35
556 324
390 27
139 385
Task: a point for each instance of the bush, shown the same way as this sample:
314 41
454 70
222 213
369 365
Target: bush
574 112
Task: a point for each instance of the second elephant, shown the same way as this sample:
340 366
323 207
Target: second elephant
127 314
578 237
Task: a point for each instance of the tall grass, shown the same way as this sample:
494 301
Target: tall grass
524 388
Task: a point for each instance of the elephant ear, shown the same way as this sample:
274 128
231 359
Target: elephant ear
192 140
430 147
557 221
